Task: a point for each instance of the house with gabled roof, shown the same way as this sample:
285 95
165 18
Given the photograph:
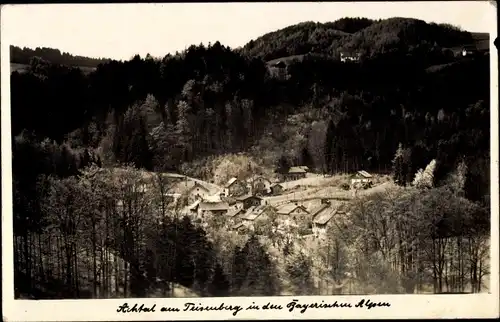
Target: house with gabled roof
193 190
292 212
323 220
295 173
318 210
255 214
235 187
259 185
291 208
212 209
249 200
234 216
361 177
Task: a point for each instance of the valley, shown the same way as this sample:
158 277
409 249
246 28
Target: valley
349 157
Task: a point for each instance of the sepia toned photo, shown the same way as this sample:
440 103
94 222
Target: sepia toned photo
165 153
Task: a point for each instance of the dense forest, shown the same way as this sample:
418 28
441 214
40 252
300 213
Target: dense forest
366 36
406 103
23 56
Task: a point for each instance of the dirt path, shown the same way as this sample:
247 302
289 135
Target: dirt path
211 186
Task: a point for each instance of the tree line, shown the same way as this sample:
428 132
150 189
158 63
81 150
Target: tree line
220 102
406 241
99 234
24 55
369 37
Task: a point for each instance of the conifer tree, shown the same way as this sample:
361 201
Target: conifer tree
425 178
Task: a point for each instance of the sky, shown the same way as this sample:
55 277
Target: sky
120 31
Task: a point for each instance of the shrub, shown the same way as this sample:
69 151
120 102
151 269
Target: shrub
345 186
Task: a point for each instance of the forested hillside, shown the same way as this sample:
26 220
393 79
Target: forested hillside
24 55
366 36
212 100
405 104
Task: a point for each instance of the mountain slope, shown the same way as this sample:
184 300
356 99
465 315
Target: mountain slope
355 34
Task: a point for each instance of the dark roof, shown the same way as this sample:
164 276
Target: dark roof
230 200
247 196
214 206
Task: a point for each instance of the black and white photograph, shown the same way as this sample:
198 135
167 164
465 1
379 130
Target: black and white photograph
241 150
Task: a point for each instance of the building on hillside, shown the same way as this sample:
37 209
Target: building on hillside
322 221
233 202
276 189
193 190
235 187
350 57
469 50
319 210
292 212
278 70
361 177
234 216
259 185
304 167
255 215
212 209
295 173
249 201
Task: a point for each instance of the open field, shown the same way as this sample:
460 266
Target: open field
213 187
321 187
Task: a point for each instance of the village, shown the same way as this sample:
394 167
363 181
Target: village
296 202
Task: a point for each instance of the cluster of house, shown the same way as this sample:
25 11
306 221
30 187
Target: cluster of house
245 213
240 204
257 185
